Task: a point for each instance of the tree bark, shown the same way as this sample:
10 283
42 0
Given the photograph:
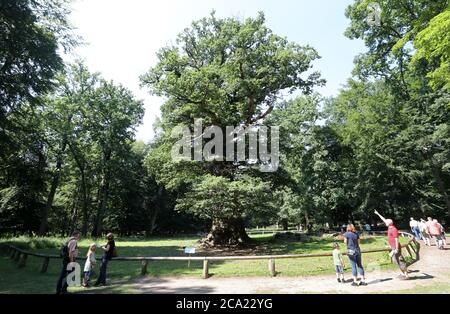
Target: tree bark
55 181
51 195
102 196
308 223
85 204
161 201
81 167
101 209
230 232
285 224
73 220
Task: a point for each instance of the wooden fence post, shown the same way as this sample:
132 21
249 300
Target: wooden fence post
272 271
417 245
23 260
13 253
412 247
144 267
17 256
205 269
409 251
415 250
45 265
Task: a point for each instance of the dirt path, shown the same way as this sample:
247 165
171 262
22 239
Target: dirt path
433 267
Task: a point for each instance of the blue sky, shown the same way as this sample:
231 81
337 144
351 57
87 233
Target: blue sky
123 36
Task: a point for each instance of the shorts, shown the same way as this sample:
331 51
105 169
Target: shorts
339 269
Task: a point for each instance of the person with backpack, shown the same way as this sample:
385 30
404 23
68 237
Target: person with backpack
69 253
109 251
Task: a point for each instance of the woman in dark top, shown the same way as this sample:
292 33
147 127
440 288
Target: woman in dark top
352 240
108 254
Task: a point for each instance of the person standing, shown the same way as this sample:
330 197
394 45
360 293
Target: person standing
69 255
368 229
435 231
89 265
444 238
108 253
338 263
414 225
396 248
442 233
352 240
424 231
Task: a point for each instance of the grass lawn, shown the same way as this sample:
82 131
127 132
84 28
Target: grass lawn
438 288
29 280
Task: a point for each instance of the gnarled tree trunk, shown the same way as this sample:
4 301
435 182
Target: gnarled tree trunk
230 232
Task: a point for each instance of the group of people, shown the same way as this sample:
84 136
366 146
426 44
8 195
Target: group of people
352 241
70 253
425 230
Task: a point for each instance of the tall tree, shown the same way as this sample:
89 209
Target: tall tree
113 116
417 89
230 73
32 36
64 115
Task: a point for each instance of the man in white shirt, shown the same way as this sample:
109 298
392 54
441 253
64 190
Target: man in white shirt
414 224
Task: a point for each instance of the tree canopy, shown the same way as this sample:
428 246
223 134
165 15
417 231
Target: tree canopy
69 158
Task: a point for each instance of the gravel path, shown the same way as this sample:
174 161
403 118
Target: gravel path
433 267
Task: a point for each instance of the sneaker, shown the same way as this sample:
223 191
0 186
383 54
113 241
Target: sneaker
363 283
339 280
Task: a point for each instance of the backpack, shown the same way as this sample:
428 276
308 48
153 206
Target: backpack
114 252
64 252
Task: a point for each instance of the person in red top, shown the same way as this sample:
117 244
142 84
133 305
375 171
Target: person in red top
394 242
435 229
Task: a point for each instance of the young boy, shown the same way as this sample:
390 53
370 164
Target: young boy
338 263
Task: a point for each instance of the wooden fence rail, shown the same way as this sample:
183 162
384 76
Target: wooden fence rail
20 256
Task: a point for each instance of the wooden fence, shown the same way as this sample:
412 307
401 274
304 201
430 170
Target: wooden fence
20 256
